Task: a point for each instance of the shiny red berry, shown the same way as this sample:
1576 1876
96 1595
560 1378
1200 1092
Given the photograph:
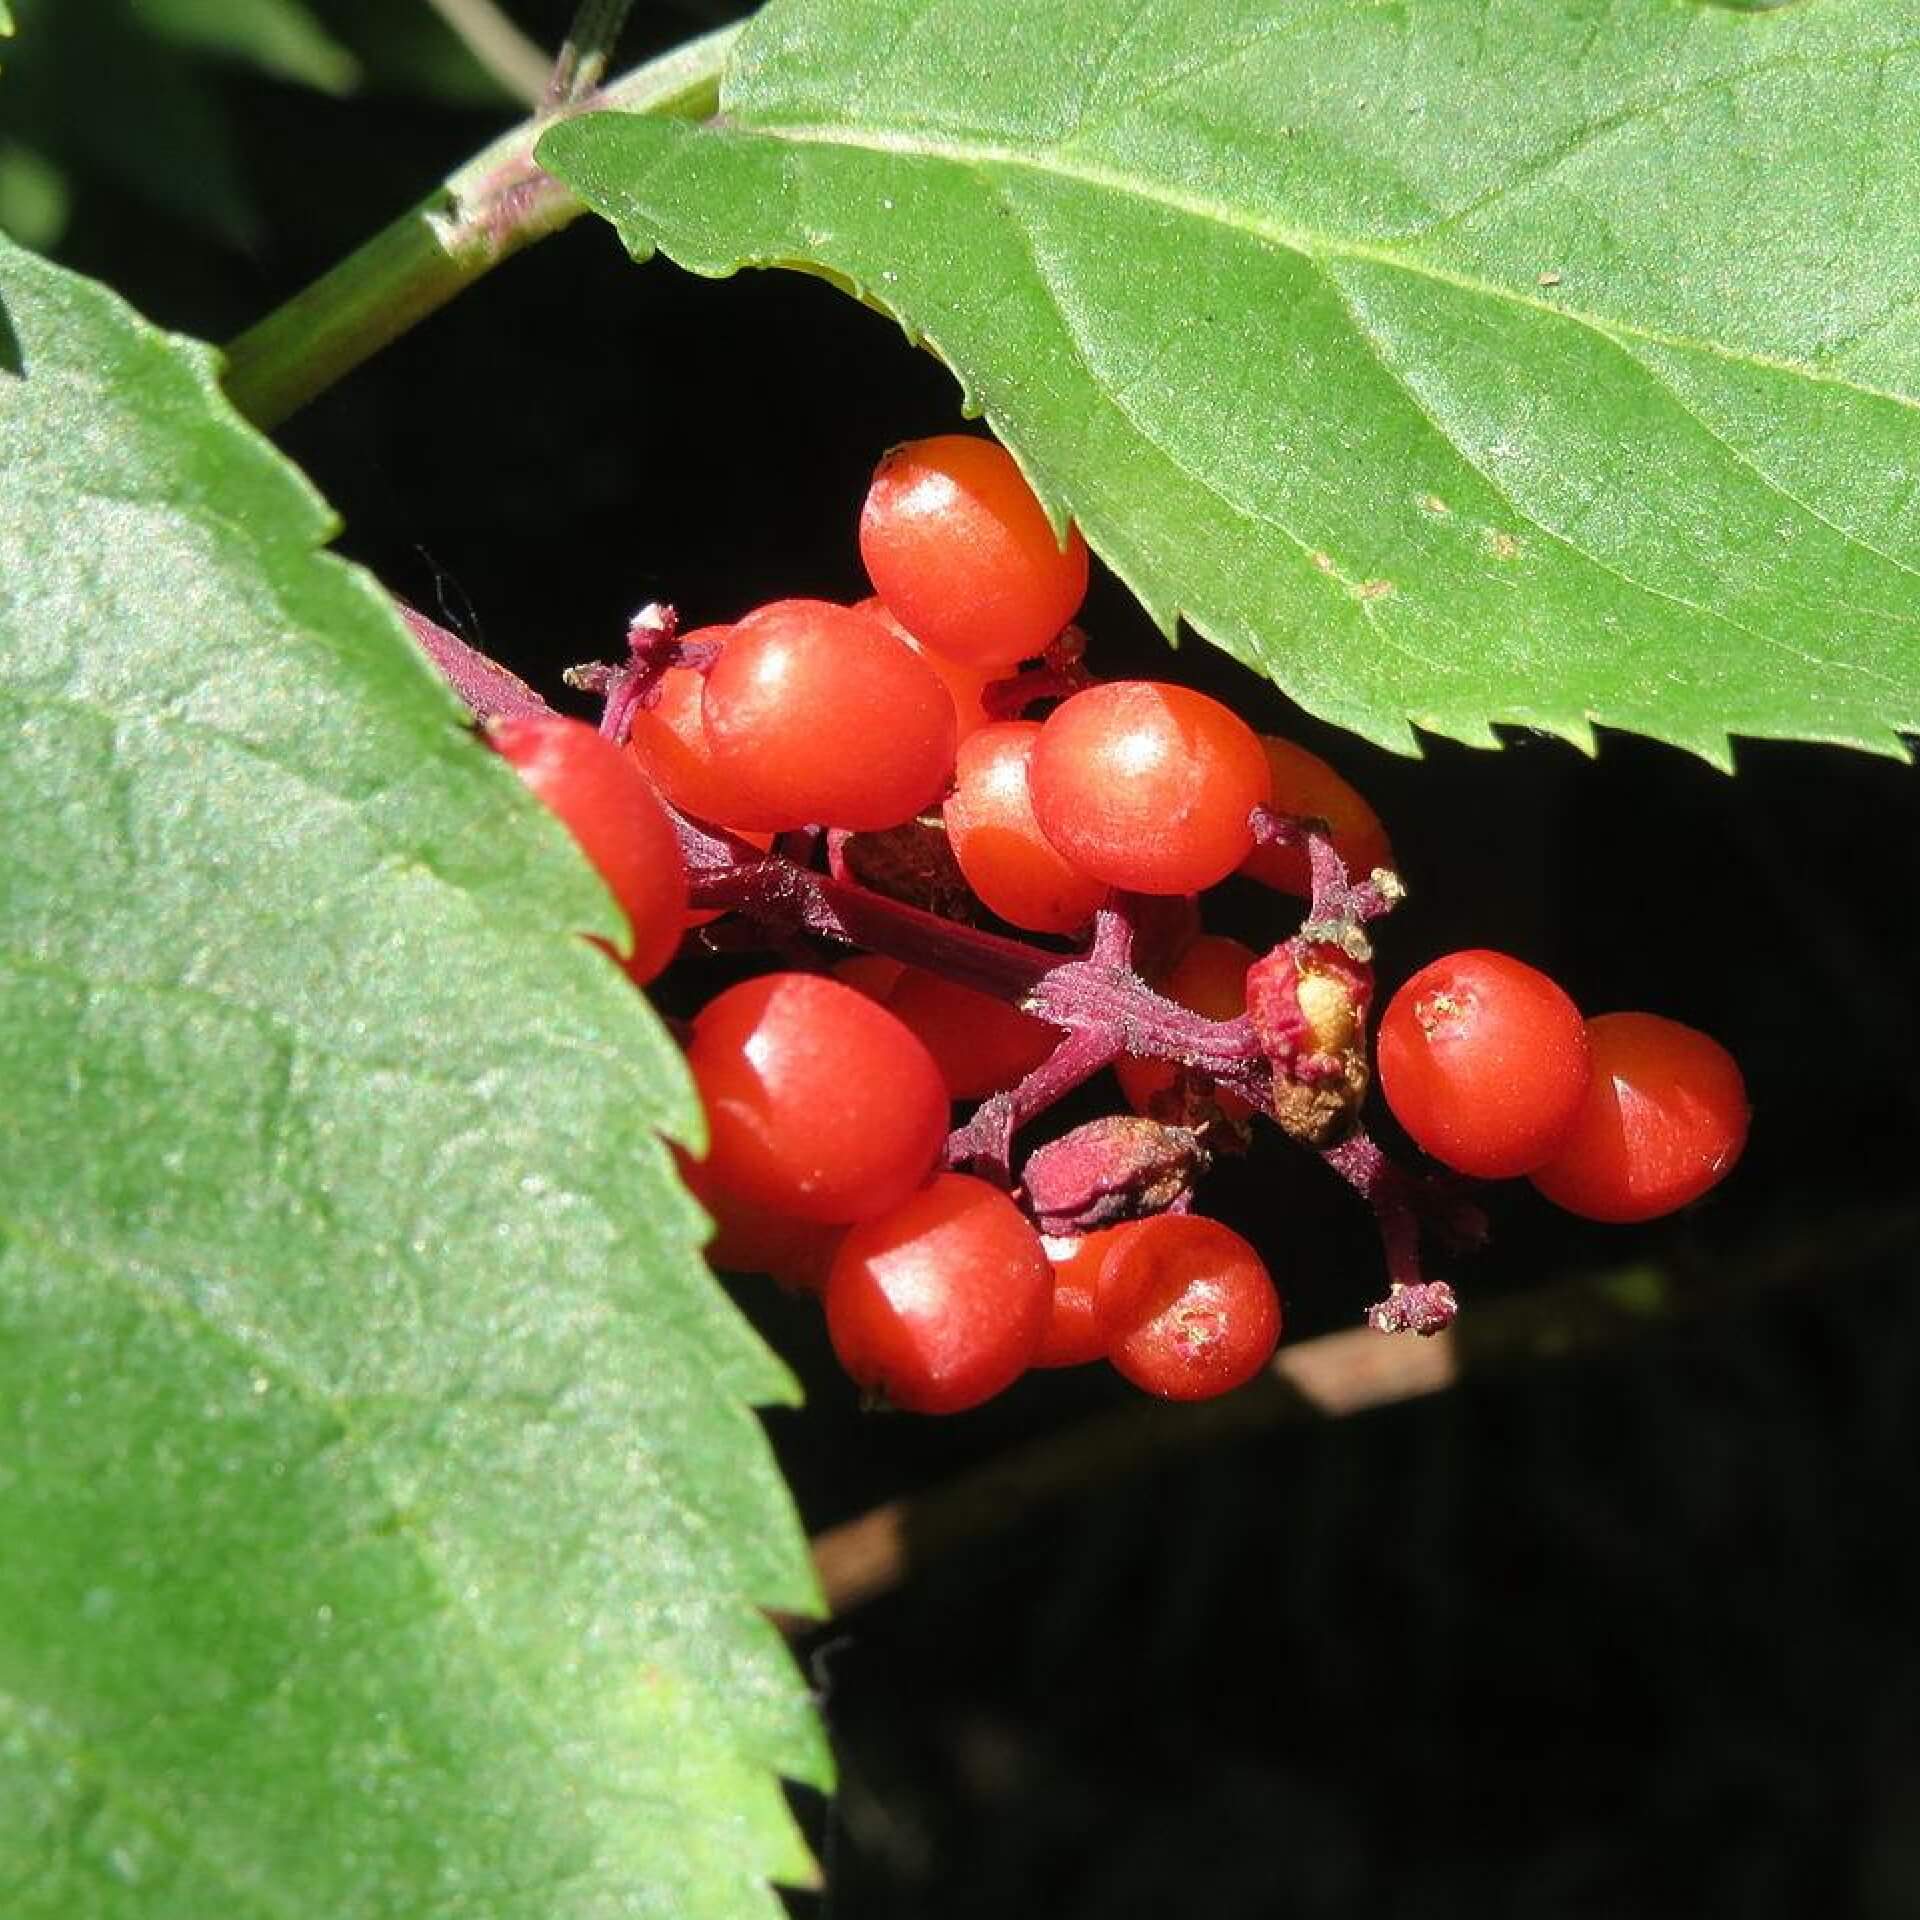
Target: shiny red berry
942 1301
1014 869
960 550
1189 1307
820 1104
610 808
1484 1061
1664 1118
818 716
1148 786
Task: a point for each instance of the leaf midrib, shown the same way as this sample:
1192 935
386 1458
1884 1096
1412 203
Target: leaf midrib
1318 251
1302 241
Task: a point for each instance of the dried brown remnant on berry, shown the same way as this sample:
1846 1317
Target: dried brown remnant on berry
1317 1113
1308 1002
913 863
1441 1009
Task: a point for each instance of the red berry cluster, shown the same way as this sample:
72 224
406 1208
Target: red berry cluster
830 775
1489 1066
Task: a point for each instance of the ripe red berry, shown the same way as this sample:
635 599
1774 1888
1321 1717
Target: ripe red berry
820 717
1210 977
967 684
1012 866
1664 1118
1303 784
1189 1307
941 1302
819 1103
957 546
669 743
669 740
870 973
1484 1061
611 810
755 1239
1075 1332
1148 786
980 1044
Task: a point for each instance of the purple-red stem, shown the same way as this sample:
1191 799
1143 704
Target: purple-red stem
487 687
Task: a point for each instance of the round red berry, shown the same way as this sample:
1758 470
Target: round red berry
1664 1118
941 1302
980 1044
1014 869
819 1103
1484 1061
1148 786
1189 1307
1075 1332
818 716
670 742
748 1238
967 684
1305 786
613 812
960 550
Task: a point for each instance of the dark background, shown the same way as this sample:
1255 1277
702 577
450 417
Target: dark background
1631 1633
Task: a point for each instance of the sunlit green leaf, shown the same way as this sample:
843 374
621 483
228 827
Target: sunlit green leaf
385 1517
1473 361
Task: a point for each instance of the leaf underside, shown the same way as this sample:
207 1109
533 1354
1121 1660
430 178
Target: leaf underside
1543 362
385 1517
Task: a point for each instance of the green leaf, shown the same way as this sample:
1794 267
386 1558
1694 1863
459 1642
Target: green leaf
280 37
410 50
385 1517
34 196
105 100
1534 361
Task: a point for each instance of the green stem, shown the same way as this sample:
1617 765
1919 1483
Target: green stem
499 202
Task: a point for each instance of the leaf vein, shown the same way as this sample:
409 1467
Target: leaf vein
1349 589
1543 166
1052 164
1532 516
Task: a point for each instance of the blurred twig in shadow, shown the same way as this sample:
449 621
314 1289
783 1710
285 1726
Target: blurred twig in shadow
516 62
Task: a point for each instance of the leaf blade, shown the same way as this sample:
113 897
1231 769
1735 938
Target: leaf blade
392 1520
1359 365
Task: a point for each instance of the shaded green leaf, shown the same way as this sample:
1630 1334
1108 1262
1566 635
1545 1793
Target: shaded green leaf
411 51
34 197
280 37
385 1516
1531 361
106 101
